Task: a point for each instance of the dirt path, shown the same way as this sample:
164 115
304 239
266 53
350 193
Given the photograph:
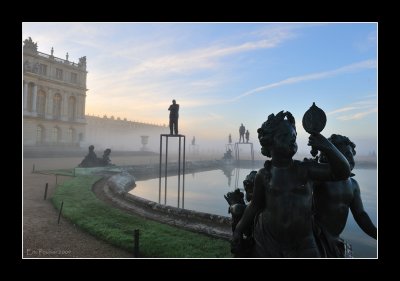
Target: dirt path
42 236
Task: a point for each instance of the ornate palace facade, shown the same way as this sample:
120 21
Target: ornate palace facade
54 93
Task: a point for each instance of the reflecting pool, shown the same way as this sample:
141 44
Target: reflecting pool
204 192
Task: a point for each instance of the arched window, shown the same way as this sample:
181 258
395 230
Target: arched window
41 103
30 97
71 135
71 108
56 135
40 133
57 106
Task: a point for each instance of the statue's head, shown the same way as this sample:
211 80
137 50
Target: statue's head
91 147
248 184
107 151
278 133
345 146
174 101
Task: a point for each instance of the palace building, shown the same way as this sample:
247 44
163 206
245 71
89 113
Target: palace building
54 93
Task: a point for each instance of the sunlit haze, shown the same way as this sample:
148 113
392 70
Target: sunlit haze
225 74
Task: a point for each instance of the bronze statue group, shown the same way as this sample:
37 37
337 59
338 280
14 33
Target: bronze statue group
297 209
91 159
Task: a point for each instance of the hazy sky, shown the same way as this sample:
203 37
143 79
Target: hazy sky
225 74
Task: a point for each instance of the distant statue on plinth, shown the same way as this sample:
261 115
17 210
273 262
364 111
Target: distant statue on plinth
173 117
242 130
194 141
229 139
247 136
228 155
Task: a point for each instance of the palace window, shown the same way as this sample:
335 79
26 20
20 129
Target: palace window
42 69
71 108
59 74
30 97
71 135
74 77
56 135
57 106
41 103
39 134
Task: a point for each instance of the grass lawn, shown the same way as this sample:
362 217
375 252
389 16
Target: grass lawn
157 240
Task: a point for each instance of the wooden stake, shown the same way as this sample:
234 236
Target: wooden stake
136 246
59 214
45 191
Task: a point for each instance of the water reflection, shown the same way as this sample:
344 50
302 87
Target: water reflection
205 193
228 172
173 191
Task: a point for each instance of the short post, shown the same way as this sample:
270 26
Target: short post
56 179
33 168
136 245
59 214
45 191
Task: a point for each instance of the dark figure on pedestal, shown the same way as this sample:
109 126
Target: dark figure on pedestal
281 206
194 141
90 159
173 117
228 155
230 139
105 160
332 201
242 130
247 136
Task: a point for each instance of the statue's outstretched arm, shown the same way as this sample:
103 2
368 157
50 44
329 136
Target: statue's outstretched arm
338 167
360 215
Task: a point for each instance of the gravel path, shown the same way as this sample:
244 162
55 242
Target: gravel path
42 236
